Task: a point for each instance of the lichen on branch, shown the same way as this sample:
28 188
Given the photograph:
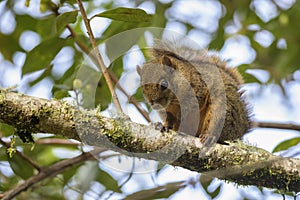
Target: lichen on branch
238 162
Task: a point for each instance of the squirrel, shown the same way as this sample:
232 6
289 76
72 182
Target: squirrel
195 93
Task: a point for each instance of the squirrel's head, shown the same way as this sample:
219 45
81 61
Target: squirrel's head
157 81
165 78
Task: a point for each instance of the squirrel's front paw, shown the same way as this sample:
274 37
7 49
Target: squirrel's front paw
159 126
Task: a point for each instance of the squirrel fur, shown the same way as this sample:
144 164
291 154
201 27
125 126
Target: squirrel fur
195 93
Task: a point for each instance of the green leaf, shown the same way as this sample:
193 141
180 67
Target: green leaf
159 19
45 74
6 130
41 56
46 27
117 67
60 94
86 175
133 15
287 144
20 167
102 96
25 22
8 46
139 96
64 84
116 27
108 181
68 174
47 153
3 153
92 89
205 182
247 77
65 19
216 192
158 192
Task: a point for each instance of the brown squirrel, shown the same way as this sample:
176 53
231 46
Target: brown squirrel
195 93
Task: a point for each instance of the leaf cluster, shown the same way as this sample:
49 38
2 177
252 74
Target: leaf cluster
58 29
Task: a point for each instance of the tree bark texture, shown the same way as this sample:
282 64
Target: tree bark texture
237 162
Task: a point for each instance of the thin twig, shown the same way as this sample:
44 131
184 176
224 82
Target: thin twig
288 126
128 178
57 141
130 98
131 173
49 172
23 156
112 76
99 58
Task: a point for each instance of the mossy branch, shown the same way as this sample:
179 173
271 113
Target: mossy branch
236 162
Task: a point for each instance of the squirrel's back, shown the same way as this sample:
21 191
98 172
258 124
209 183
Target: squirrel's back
163 48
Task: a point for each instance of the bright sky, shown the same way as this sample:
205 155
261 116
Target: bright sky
267 102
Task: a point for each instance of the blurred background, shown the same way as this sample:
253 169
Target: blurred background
40 56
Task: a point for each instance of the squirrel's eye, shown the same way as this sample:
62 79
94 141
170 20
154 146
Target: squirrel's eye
164 84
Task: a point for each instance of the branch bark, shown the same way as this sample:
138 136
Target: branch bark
288 126
238 162
49 172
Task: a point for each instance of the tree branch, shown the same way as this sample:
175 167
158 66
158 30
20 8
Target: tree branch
50 172
236 162
289 126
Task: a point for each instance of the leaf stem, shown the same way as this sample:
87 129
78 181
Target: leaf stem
99 58
113 77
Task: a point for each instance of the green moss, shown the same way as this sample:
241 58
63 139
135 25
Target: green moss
2 96
207 166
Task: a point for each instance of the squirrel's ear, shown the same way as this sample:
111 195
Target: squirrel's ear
165 60
139 70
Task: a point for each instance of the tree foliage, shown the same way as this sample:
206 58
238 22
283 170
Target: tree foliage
48 41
